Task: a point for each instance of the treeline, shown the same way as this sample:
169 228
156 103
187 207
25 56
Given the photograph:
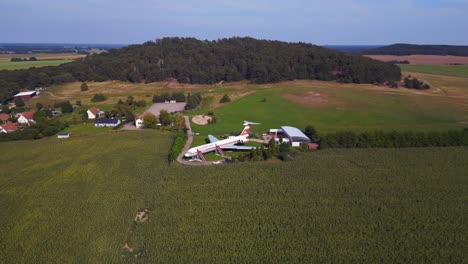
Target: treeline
206 62
178 145
379 139
166 97
410 49
25 59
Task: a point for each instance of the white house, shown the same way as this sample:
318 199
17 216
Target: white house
26 118
93 113
139 120
106 122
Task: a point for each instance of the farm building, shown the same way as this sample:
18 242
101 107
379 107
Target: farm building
106 122
93 113
63 135
8 128
26 118
290 134
26 95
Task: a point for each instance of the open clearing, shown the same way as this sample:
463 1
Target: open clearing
74 200
449 70
423 59
8 65
331 107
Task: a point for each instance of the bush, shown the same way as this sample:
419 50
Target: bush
225 99
98 98
84 87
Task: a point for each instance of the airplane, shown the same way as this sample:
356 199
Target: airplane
225 144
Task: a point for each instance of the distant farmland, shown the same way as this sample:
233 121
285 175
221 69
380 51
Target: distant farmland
7 65
449 70
423 59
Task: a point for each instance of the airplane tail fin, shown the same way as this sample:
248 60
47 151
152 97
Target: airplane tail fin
246 130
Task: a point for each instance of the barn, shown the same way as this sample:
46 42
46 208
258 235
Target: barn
290 134
25 95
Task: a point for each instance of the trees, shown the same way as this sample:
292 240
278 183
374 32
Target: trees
206 62
98 98
39 106
179 122
19 102
150 120
311 132
84 87
164 117
66 107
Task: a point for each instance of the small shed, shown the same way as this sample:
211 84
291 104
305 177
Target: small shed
63 135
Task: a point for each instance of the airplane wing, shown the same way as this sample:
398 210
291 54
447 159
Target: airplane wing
235 147
212 139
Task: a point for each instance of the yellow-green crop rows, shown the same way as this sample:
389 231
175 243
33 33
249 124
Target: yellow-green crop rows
74 201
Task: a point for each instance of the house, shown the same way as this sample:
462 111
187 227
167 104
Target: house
106 122
4 117
8 128
93 113
139 120
25 95
26 118
63 135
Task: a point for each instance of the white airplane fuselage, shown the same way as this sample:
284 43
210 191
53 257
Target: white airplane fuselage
212 146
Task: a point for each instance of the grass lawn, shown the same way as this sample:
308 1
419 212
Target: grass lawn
74 200
450 70
8 65
349 109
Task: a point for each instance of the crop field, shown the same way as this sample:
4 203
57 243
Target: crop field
423 59
450 70
43 56
74 200
8 65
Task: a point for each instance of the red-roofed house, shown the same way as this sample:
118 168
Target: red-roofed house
93 112
26 118
4 117
8 128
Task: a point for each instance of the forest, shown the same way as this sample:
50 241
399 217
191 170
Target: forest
206 62
410 49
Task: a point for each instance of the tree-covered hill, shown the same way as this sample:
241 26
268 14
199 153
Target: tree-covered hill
195 61
410 49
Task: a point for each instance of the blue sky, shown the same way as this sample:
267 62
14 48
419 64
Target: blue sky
356 22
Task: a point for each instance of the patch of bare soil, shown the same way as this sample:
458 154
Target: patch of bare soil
142 215
314 99
201 119
422 59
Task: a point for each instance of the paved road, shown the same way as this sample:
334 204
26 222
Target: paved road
180 158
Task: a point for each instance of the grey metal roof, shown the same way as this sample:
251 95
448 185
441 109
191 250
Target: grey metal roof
294 133
106 121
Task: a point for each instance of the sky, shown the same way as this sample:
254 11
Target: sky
344 22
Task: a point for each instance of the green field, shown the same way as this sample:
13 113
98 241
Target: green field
8 65
73 201
358 110
450 70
